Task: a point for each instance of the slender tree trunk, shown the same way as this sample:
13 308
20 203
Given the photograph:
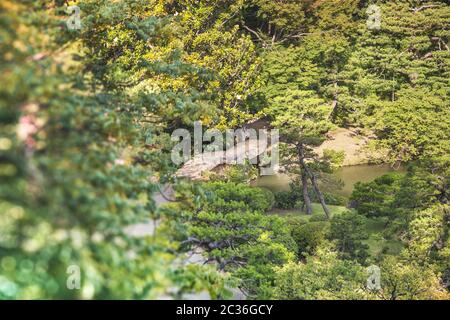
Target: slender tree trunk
313 179
306 199
304 177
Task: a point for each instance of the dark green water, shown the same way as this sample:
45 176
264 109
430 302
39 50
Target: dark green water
349 175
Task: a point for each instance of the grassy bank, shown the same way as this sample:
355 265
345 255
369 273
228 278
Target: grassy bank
374 227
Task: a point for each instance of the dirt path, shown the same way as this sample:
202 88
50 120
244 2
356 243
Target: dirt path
351 142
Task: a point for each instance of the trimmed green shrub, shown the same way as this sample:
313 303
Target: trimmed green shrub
309 236
286 200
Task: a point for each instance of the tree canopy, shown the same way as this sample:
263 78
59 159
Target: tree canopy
87 114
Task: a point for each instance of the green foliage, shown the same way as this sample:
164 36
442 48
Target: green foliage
270 198
257 199
323 276
428 238
293 199
287 199
330 198
308 236
240 173
392 81
395 80
212 38
277 20
85 123
60 203
194 278
397 196
406 280
230 227
426 183
375 199
348 231
407 127
414 205
75 159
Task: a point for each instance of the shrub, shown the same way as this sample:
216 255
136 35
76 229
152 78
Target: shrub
286 199
269 196
309 236
240 238
348 231
317 218
322 276
293 199
226 194
374 199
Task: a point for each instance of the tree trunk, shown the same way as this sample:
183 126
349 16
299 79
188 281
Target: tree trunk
304 177
306 199
312 177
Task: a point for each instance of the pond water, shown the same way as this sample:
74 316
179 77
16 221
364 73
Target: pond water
349 175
